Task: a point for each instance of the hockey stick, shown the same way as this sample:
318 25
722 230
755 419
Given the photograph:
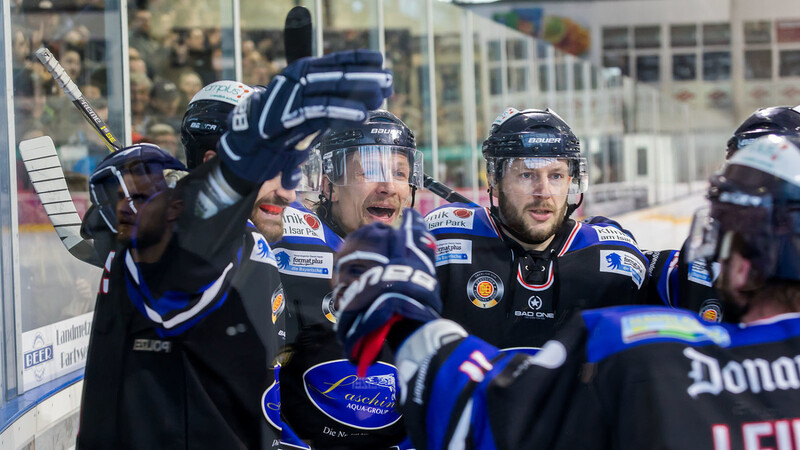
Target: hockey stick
44 169
68 86
297 38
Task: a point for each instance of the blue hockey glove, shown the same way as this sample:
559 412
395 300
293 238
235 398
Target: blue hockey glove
271 131
384 275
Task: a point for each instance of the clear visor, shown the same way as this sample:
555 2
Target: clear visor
113 190
538 176
703 236
374 164
312 175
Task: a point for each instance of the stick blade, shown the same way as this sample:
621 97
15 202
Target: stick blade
40 158
297 34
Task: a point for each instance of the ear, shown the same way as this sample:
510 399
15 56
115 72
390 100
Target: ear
174 209
739 271
208 155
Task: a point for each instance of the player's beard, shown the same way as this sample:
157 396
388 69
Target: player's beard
271 227
514 217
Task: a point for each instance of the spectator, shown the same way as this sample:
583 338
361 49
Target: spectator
165 103
164 136
141 85
189 84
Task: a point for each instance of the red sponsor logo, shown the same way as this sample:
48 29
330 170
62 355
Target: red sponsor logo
463 213
311 221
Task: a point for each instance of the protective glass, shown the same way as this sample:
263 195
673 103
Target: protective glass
312 174
538 175
374 164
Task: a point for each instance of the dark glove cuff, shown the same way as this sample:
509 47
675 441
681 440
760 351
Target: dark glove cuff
239 184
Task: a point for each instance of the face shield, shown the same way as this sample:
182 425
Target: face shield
128 188
312 175
538 176
374 164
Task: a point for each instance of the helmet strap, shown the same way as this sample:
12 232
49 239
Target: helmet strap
325 212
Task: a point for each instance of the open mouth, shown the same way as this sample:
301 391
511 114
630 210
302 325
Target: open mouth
270 209
540 214
381 212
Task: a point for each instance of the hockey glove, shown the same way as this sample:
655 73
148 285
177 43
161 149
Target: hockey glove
383 276
266 130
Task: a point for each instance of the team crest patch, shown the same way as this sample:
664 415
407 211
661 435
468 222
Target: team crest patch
329 307
451 218
278 302
485 289
623 263
711 310
453 251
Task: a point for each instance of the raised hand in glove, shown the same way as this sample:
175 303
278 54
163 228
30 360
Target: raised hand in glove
384 276
270 132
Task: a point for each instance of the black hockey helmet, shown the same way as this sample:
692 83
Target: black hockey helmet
159 169
205 121
755 199
534 133
382 135
781 120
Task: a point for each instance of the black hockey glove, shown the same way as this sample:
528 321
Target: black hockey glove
300 104
383 276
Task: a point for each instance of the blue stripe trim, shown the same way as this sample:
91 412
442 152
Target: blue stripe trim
24 403
448 386
614 330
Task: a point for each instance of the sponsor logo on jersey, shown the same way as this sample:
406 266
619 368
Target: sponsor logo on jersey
535 305
278 302
450 218
623 263
364 403
453 251
711 310
304 264
271 404
698 273
329 307
261 251
485 289
152 345
302 224
653 325
709 376
613 234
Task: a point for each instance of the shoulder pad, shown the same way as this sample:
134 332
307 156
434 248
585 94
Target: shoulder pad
613 330
461 218
602 234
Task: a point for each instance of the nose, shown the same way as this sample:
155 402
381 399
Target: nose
387 187
288 195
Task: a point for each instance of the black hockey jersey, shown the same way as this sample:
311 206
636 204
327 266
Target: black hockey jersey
629 377
515 298
322 399
685 284
181 351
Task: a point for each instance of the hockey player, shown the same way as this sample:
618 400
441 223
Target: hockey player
628 377
178 354
516 270
370 172
689 284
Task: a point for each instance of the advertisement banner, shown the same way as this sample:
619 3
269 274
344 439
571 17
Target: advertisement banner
54 350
